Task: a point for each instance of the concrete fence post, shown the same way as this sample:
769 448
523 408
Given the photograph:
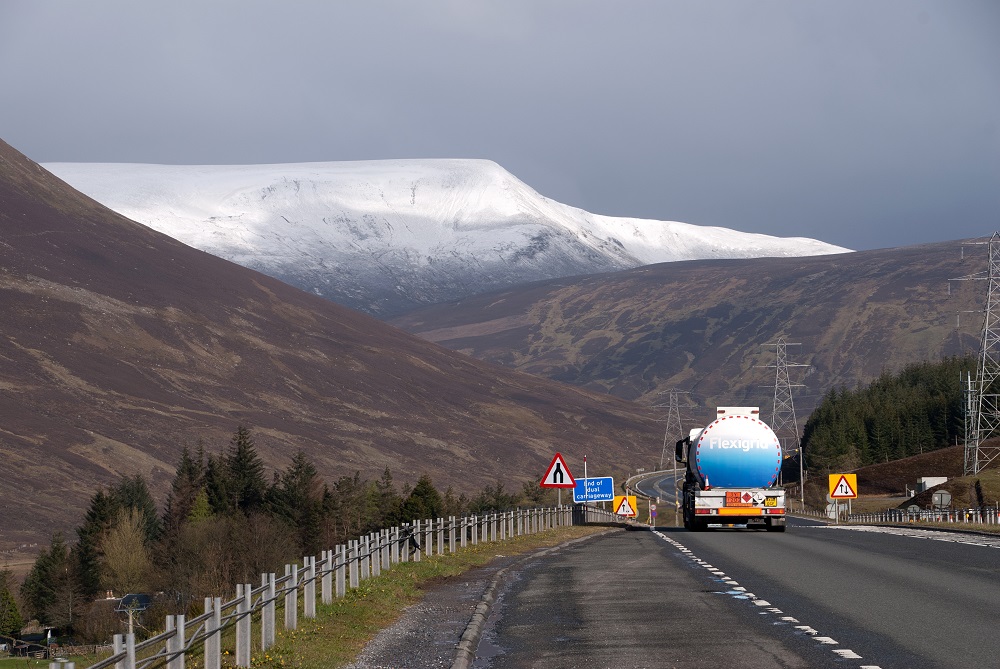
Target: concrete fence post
475 529
375 547
341 571
291 597
243 625
267 633
384 542
394 545
326 566
309 605
118 646
364 567
169 626
352 560
175 644
407 531
213 637
130 651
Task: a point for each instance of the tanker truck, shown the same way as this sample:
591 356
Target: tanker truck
732 472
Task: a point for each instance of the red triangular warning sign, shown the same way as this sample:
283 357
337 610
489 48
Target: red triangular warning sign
558 475
843 490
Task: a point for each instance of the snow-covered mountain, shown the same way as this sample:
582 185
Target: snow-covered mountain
385 236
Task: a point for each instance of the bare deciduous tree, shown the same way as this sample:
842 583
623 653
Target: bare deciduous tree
126 567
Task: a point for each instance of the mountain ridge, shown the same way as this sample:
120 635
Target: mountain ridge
709 327
121 345
386 236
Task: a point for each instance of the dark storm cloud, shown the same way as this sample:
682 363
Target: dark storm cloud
861 123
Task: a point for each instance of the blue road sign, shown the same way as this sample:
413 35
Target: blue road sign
597 490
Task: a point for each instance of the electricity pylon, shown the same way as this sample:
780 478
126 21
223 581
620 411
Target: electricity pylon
783 420
674 425
982 418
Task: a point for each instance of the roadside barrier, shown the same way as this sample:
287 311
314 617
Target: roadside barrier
332 575
983 516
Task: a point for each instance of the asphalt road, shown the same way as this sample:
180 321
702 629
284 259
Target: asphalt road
814 596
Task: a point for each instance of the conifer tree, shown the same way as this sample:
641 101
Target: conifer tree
388 500
297 498
245 473
10 618
423 502
188 483
217 486
133 493
87 552
50 591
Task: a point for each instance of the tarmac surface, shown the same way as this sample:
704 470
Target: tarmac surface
605 601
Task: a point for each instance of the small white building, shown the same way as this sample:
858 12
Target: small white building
926 482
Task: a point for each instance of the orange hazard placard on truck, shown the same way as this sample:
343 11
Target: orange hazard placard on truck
739 498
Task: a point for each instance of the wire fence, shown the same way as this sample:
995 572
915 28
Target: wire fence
329 576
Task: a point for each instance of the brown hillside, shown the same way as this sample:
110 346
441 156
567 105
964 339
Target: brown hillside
889 481
704 327
120 345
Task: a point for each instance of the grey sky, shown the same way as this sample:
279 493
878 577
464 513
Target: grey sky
865 123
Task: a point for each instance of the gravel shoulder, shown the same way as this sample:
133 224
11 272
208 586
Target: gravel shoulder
427 634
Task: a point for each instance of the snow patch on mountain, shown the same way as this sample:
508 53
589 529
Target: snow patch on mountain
385 236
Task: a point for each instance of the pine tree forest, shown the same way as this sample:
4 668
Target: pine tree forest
896 416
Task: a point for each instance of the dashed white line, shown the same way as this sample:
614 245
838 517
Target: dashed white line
736 591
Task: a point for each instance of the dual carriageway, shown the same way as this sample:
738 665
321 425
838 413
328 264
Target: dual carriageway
818 595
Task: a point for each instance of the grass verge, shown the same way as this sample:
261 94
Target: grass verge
340 630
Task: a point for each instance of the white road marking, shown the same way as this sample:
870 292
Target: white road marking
915 533
739 592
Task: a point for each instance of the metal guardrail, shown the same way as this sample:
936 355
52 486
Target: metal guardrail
334 573
983 516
